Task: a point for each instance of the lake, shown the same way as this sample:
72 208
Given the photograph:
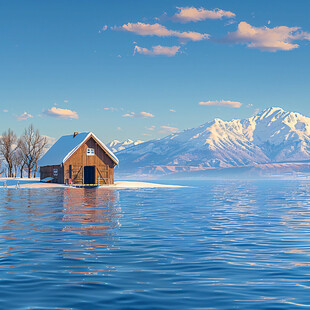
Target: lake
211 245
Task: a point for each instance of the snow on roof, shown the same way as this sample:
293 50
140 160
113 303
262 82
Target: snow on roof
66 146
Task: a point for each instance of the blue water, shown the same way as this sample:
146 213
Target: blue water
213 245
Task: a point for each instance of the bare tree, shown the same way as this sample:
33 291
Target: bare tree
1 170
32 145
7 149
19 161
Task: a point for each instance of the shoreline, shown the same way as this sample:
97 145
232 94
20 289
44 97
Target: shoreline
24 183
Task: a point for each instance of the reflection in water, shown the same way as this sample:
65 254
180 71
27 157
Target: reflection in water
222 244
52 219
94 214
90 206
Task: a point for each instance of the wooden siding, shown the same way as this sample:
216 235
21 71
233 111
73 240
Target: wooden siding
48 171
104 166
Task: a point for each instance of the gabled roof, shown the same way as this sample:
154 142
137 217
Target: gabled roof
67 145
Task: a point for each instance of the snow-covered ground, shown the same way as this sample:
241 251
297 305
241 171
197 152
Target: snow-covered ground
35 183
128 184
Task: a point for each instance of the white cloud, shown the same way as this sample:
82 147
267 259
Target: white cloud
158 50
61 113
167 130
172 110
161 31
104 28
110 109
66 101
139 115
191 14
230 22
267 39
5 111
24 116
222 103
146 114
152 128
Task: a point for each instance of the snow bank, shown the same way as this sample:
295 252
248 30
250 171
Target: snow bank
35 183
127 184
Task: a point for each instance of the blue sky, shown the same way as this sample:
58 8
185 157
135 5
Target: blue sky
91 65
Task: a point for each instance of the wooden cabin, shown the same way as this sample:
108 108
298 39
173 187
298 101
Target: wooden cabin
80 159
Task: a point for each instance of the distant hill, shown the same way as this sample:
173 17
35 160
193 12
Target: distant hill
290 170
272 136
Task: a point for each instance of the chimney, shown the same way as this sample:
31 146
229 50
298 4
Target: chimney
75 133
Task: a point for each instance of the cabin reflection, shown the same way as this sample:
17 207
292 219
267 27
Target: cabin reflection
91 217
90 211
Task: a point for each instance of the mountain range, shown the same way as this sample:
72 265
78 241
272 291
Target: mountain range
116 146
272 136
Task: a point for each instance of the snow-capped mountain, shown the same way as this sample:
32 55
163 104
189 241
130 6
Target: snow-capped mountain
116 146
274 135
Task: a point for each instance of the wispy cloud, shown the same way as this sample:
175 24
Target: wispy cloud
61 113
152 128
230 22
158 50
5 111
112 109
267 39
24 116
222 103
139 115
104 28
167 130
161 31
172 110
192 14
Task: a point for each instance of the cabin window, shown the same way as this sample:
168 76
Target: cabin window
90 152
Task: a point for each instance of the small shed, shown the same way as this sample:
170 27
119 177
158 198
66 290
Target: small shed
81 159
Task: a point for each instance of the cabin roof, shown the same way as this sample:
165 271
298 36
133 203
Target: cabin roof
65 146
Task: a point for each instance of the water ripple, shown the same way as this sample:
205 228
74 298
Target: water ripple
214 245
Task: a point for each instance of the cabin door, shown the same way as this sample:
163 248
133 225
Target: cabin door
89 175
